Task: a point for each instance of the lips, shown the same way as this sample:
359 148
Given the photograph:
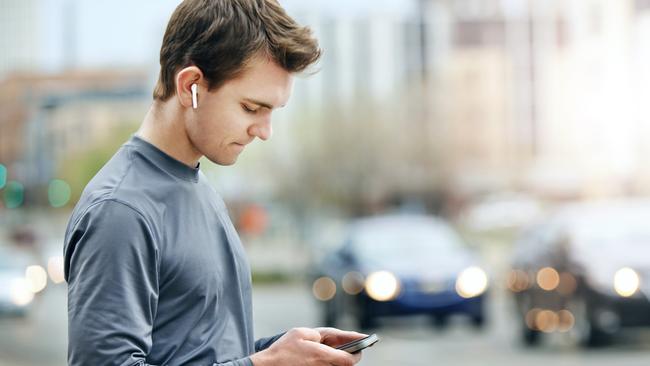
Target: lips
239 146
244 143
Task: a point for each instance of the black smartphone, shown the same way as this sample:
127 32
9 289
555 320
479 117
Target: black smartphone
359 344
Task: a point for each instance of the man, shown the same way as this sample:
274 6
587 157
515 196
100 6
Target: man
156 272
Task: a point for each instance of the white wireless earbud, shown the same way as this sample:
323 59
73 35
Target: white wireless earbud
194 99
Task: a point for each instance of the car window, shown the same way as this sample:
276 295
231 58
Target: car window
614 231
407 241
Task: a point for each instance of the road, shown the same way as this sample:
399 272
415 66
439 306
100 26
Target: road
40 339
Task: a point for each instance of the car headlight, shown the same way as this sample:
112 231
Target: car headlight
55 269
37 278
382 286
20 291
626 282
471 282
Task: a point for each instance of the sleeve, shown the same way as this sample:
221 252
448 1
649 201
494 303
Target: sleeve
111 266
264 343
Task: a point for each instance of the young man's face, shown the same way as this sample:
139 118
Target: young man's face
229 118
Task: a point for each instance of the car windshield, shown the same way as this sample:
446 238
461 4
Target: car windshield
413 242
614 231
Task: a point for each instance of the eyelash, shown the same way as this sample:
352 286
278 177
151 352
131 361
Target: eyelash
248 110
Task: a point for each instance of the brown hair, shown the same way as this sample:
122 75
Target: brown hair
221 36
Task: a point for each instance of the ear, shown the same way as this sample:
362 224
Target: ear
184 80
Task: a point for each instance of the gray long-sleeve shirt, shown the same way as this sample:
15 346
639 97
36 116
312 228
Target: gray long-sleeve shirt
155 269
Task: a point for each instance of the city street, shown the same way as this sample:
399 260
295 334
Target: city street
441 154
40 339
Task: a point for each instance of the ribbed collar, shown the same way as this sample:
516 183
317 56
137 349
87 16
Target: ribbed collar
164 161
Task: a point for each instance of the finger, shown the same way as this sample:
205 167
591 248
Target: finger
342 337
335 331
337 337
337 357
351 334
357 356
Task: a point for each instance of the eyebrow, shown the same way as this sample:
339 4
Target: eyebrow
260 103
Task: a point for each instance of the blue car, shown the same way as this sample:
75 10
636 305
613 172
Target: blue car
397 265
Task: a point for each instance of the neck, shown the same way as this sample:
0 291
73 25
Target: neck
164 127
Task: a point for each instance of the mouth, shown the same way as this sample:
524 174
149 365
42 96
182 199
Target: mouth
243 144
239 146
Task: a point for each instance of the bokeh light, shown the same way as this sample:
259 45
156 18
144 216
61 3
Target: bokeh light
55 269
14 194
547 321
518 280
626 282
382 286
3 176
567 320
20 291
58 193
471 282
324 288
37 278
548 279
353 283
531 317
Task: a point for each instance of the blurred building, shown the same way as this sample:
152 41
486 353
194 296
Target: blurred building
480 95
45 119
19 35
544 96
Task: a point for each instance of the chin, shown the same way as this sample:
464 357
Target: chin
222 161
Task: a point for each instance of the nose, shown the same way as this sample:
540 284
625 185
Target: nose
261 129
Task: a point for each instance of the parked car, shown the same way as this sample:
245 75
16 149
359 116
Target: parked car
584 270
400 265
501 211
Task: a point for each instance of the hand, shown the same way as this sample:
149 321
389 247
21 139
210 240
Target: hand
303 347
335 337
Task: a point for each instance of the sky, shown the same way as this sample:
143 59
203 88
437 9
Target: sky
129 33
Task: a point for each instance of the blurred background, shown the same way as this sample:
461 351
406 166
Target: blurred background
478 165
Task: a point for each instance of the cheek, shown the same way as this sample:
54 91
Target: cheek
214 129
199 131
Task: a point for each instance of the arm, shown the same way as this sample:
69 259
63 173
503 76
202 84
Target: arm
111 265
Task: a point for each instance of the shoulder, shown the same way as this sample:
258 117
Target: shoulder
111 216
108 232
120 186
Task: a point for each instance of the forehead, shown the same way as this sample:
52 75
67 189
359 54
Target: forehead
263 80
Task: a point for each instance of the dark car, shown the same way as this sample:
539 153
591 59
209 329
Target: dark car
585 271
400 265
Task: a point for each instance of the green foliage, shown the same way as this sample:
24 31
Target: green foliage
14 194
80 168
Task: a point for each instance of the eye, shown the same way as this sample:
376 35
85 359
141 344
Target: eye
248 109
